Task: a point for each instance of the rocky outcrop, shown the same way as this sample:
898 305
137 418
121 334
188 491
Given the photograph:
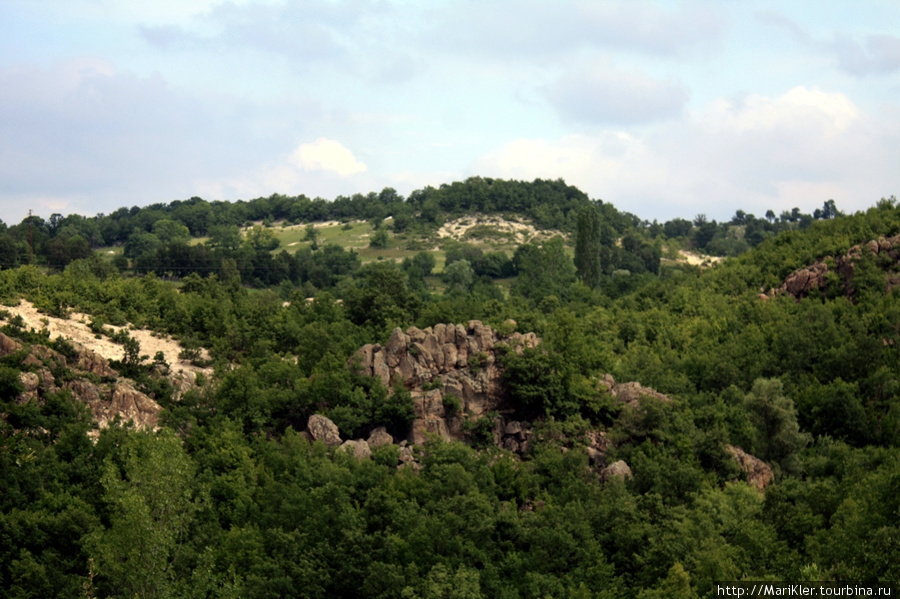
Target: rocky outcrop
127 404
107 401
8 345
323 429
758 473
31 384
408 458
618 469
630 393
450 370
804 281
91 362
598 445
516 436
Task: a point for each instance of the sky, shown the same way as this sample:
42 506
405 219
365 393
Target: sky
664 109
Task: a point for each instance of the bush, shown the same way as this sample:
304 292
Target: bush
480 431
379 239
452 405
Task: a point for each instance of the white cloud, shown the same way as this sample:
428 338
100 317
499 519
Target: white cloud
797 149
94 138
830 113
327 155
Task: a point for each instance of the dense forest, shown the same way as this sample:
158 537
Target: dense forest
231 497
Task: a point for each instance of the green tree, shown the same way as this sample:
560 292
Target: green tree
261 239
778 436
379 238
587 247
141 243
151 507
544 270
225 238
442 583
380 296
170 231
459 276
311 234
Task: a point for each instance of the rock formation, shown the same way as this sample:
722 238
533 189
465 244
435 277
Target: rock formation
323 429
758 472
630 393
598 444
379 437
516 436
8 345
616 470
106 400
804 281
126 403
359 448
450 370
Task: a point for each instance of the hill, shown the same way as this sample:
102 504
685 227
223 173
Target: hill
362 431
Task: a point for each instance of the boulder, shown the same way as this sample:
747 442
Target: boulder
598 445
379 437
359 448
84 391
408 459
596 456
30 383
618 469
321 428
8 345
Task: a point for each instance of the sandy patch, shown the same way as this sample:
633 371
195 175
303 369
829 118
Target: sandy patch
698 260
76 329
522 231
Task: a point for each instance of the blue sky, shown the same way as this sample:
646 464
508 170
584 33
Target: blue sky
665 109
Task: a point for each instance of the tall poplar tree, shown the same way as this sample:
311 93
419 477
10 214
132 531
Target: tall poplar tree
587 246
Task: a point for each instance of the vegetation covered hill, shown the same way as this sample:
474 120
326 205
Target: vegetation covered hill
656 400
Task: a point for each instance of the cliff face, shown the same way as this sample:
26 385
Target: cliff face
451 371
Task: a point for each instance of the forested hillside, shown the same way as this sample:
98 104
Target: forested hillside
606 420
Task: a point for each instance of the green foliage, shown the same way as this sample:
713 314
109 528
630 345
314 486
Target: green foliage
380 297
379 239
239 503
459 276
778 436
544 270
587 247
10 385
452 404
151 509
480 431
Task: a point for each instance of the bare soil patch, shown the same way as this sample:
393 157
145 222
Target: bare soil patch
76 329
